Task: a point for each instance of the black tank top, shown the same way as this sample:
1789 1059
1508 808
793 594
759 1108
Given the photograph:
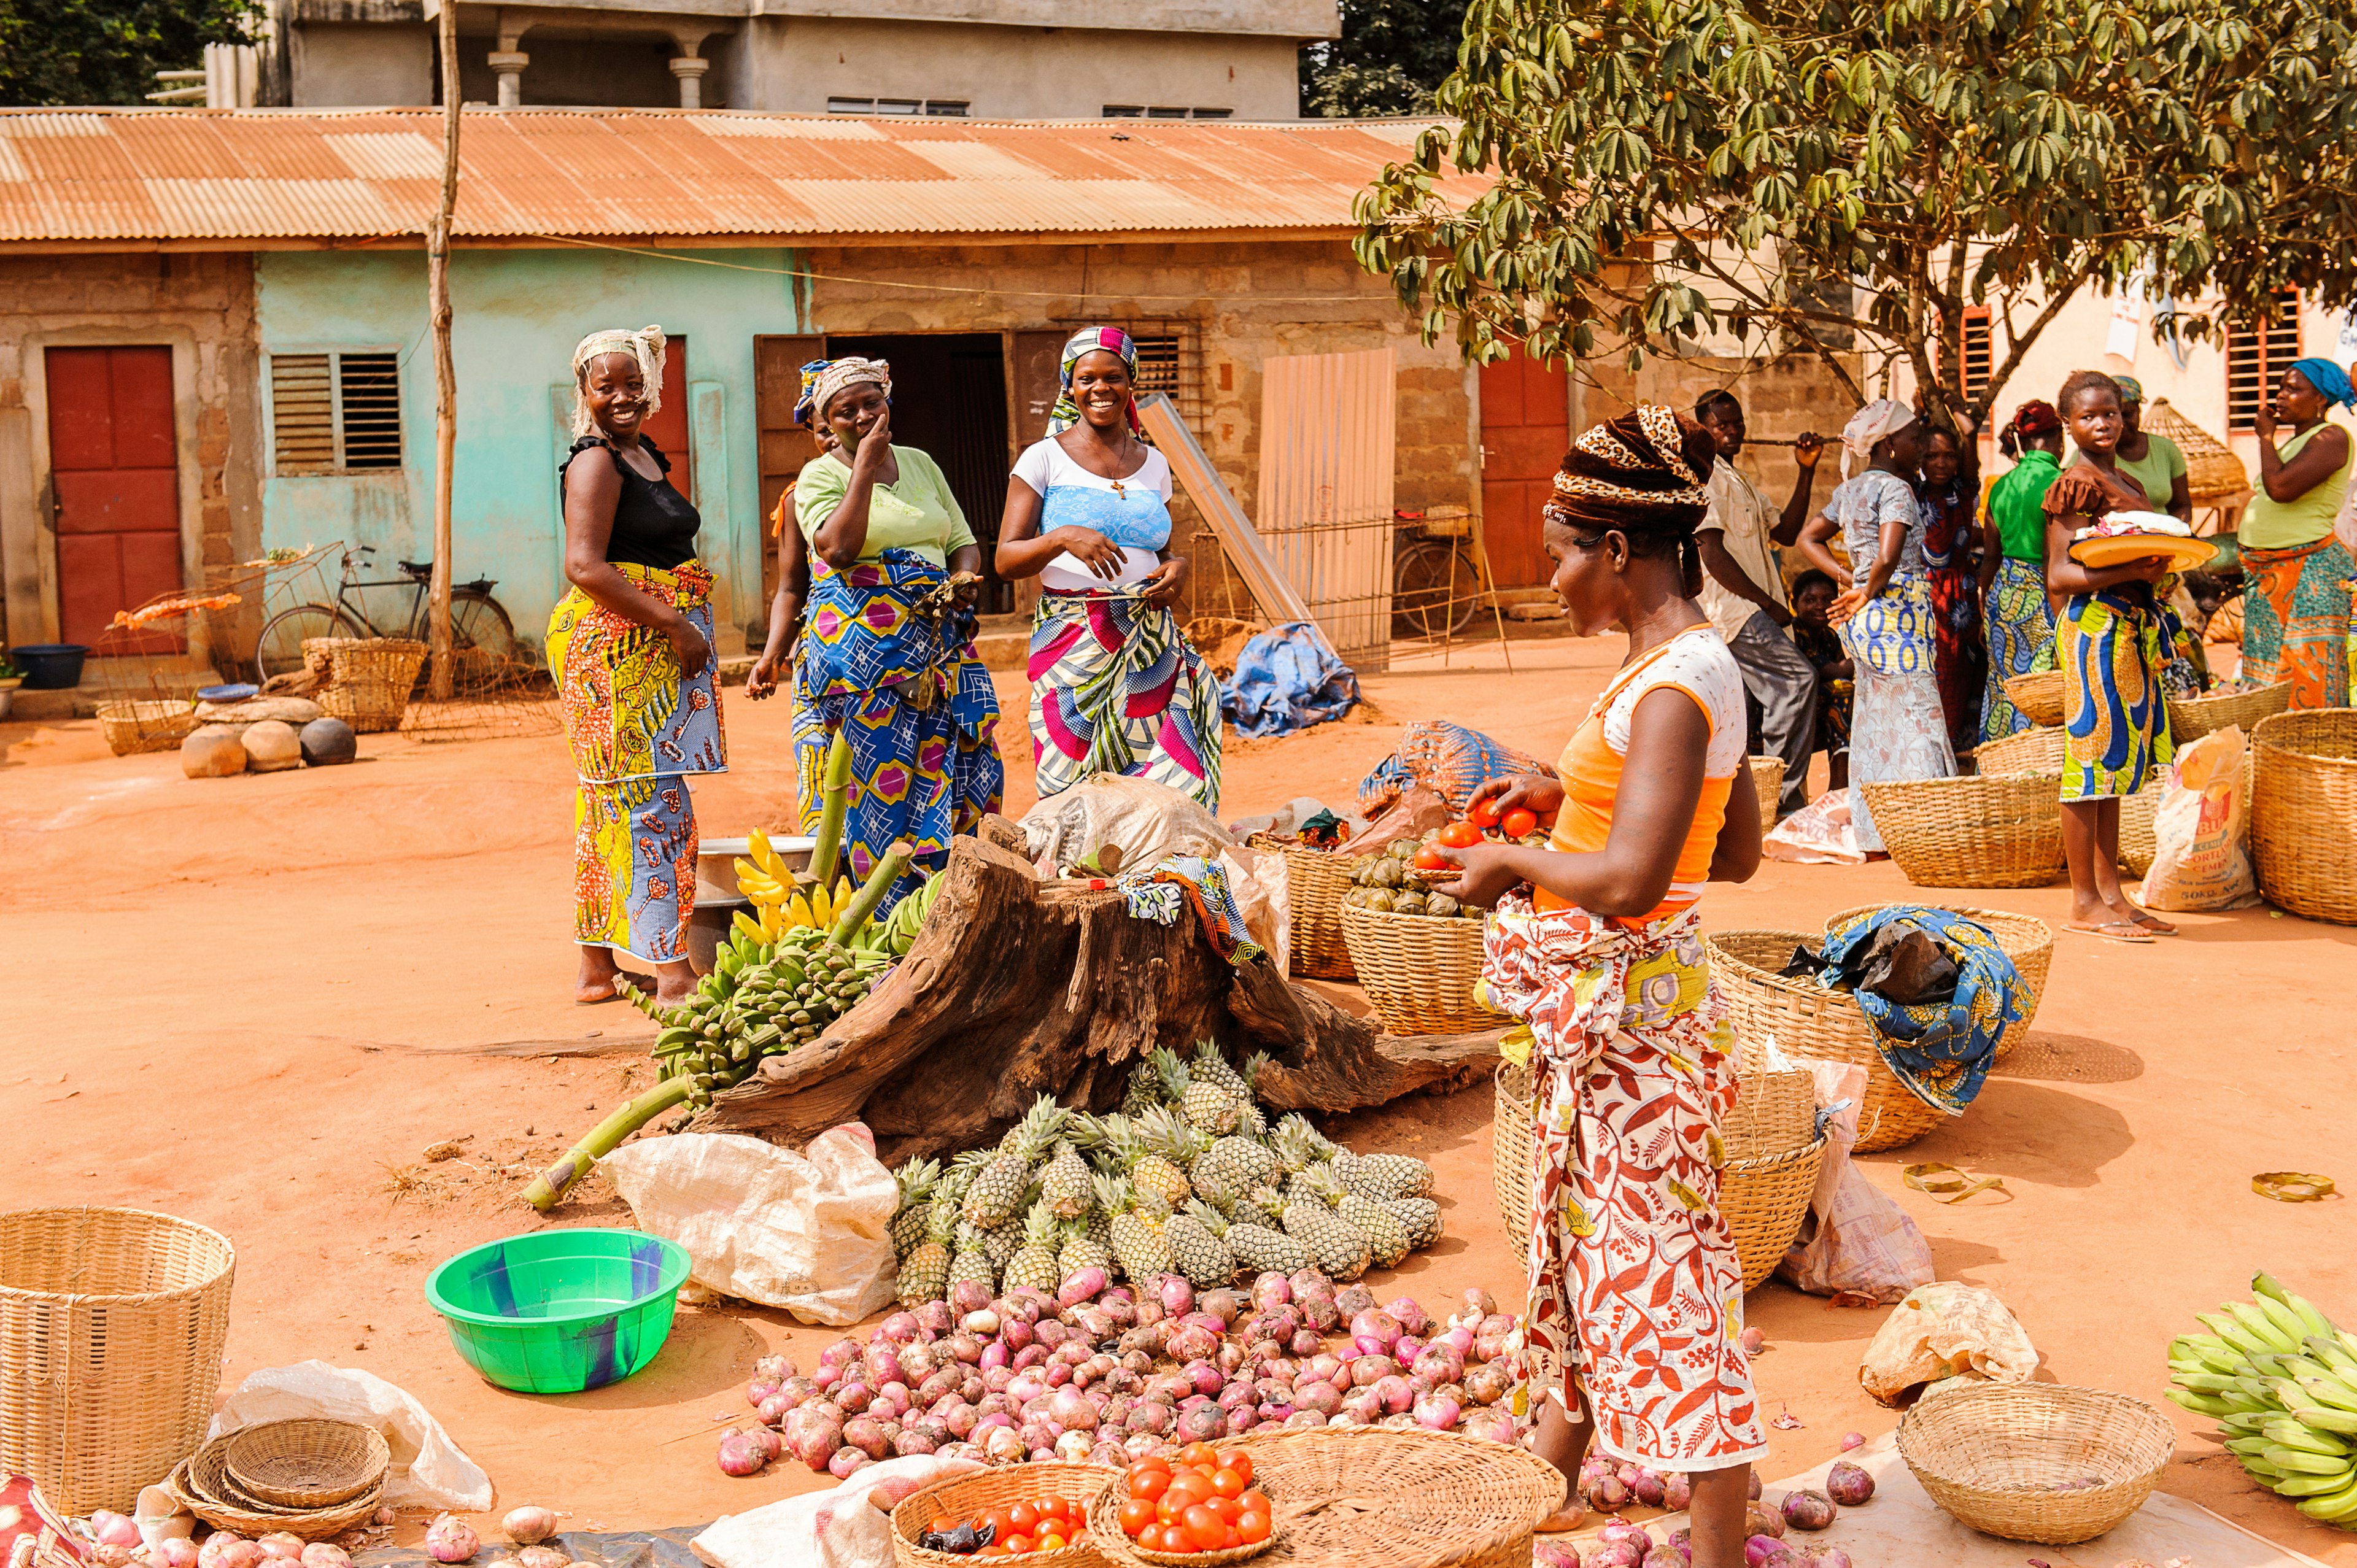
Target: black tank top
654 525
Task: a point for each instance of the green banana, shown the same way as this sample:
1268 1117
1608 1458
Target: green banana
2256 1322
2309 1485
2305 1463
2291 1433
2200 1405
2289 1323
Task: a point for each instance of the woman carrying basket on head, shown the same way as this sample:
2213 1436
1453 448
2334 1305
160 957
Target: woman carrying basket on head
1636 1295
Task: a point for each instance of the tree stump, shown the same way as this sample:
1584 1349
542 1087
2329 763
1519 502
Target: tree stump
1018 987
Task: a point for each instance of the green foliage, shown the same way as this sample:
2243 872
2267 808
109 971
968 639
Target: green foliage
1903 158
108 51
1390 58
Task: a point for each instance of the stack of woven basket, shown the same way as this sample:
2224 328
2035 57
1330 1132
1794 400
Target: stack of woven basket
310 1478
369 678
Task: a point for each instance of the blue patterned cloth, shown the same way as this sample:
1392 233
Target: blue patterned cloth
1447 759
1895 632
1940 1050
1164 891
1287 679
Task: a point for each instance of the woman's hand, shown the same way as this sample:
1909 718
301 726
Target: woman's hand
1845 604
762 679
876 444
1541 795
688 645
2263 420
1163 588
1101 555
1489 872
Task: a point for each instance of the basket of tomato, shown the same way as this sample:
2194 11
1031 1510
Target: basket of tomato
1197 1510
1416 950
1035 1514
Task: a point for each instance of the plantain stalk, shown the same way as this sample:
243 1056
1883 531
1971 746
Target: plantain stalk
834 796
548 1188
864 903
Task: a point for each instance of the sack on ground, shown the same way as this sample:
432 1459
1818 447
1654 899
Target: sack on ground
2199 858
1150 822
837 1529
808 1232
1819 834
428 1470
1941 1333
1854 1241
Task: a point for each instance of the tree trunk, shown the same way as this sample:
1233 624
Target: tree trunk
1018 987
445 375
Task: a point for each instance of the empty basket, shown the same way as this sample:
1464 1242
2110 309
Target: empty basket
2023 751
2304 813
147 724
2039 696
1767 777
305 1463
2037 1460
1992 831
369 678
2191 718
1316 881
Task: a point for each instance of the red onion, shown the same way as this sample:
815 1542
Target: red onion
448 1540
1222 1304
1002 1446
740 1456
900 1329
1151 1419
934 1318
1852 1440
1057 1373
1241 1419
1413 1319
1039 1432
316 1554
1177 1295
1760 1520
1394 1393
1554 1554
177 1551
1440 1362
892 1401
1269 1289
1436 1414
1237 1395
1485 1385
1650 1486
774 1369
825 1376
1754 1341
1082 1285
1494 1424
847 1463
1108 1455
1460 1339
964 1348
1407 1348
1317 1394
995 1354
1353 1299
866 1433
756 1391
1373 1324
773 1410
879 1366
1370 1368
1205 1424
842 1353
990 1420
1754 1477
1071 1410
1615 1554
1189 1343
278 1546
1850 1485
968 1295
1766 1551
854 1397
1094 1323
1149 1310
1808 1510
1832 1557
816 1442
1677 1491
914 1441
1305 1342
981 1322
958 1417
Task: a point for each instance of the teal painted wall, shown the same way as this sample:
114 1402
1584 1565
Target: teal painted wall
516 315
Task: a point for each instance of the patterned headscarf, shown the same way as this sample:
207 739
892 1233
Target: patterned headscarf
822 379
2328 379
1869 426
1641 473
1092 340
2037 417
645 346
2131 389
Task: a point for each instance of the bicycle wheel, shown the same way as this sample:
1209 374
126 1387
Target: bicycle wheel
484 653
1435 589
280 652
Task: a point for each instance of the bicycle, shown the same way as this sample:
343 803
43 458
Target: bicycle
482 638
1436 586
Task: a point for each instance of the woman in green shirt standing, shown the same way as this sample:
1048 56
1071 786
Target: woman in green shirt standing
2153 461
2019 615
2295 616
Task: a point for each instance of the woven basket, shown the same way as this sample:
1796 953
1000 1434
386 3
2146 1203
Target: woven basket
1510 1142
305 1463
960 1496
200 1481
1419 971
1774 1113
2191 718
2000 830
1764 1201
2025 751
111 1321
1105 1524
146 726
1807 1021
2137 845
1316 881
1768 779
369 678
2304 813
2212 472
2038 695
2026 938
1994 1454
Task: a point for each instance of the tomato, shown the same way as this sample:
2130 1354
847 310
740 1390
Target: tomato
1430 860
1170 1508
1049 1541
1023 1517
997 1520
1484 813
1193 1485
1460 835
1225 1508
1255 1501
1149 1484
1229 1483
1199 1456
1151 1461
1519 821
1252 1528
1136 1515
1017 1543
1241 1462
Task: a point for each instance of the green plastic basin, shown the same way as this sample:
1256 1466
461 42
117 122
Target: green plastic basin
560 1311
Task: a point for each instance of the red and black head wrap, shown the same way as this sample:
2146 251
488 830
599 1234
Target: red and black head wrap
1641 475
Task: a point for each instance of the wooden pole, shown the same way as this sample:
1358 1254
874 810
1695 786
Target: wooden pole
445 375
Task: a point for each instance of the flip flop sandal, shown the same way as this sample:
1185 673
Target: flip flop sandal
2125 931
2146 921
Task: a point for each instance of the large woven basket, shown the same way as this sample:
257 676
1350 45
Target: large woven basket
2023 751
305 1463
2304 813
2191 718
1995 1456
111 1321
1419 971
1997 831
2137 843
958 1496
369 678
1768 779
2039 696
2026 938
148 725
1316 881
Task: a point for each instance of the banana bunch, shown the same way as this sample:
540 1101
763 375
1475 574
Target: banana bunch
908 917
761 1000
785 899
2282 1382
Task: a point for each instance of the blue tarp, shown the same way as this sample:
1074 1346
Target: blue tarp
1286 680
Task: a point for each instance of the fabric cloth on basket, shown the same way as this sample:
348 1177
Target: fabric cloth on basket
1635 1289
1942 1049
1164 891
888 661
635 728
1447 759
1960 655
2296 621
1117 688
2020 640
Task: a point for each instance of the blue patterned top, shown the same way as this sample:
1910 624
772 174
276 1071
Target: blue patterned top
1133 512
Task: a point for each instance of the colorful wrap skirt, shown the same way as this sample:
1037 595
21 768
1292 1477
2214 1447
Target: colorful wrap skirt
1636 1293
887 662
636 728
2297 622
2110 646
2020 622
1117 688
1897 730
1960 654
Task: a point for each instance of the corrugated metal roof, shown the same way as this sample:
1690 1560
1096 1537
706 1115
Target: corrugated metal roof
163 175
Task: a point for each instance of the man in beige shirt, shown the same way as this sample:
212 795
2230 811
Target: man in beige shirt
1743 592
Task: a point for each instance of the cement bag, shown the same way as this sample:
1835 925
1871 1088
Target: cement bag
1150 822
2198 861
808 1232
1855 1241
428 1470
1943 1332
838 1529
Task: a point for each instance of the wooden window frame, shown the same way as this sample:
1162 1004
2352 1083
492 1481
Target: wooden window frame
2256 361
332 369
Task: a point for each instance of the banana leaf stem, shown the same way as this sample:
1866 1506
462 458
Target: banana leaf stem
864 903
834 794
548 1188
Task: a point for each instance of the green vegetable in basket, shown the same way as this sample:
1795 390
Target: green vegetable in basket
1410 902
1401 849
1440 904
1379 900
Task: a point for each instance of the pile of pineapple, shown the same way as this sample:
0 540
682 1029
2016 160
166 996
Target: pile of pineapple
1188 1178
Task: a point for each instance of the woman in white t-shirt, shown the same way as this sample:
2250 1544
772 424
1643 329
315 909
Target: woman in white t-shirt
1115 686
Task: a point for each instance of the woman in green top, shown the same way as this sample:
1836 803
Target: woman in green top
2019 615
2153 461
887 657
2295 614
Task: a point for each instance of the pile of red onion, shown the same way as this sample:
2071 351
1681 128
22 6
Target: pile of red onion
1110 1374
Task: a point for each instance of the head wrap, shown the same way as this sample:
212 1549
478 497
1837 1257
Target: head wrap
645 346
1869 426
2131 389
2328 378
1641 473
822 379
1093 340
2037 417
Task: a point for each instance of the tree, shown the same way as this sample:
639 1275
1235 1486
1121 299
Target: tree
108 51
1390 58
1901 159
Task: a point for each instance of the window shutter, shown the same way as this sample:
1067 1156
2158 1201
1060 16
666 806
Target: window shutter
302 414
2256 356
371 385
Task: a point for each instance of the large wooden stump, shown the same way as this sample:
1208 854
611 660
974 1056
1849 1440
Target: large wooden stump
1018 987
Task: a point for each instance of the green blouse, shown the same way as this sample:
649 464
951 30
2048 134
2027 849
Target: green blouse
2017 503
917 513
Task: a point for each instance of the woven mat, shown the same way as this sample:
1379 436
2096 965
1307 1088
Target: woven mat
1902 1527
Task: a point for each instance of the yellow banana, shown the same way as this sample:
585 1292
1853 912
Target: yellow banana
799 912
748 925
764 856
822 906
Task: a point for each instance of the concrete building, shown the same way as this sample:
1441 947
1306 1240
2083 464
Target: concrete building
975 59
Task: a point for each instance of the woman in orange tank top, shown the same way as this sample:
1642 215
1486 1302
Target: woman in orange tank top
1635 1311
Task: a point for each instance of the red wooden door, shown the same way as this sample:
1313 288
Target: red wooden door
115 467
668 427
1525 429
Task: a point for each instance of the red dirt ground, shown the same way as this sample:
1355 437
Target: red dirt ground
253 1001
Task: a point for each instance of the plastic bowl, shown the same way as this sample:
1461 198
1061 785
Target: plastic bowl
50 666
235 692
560 1311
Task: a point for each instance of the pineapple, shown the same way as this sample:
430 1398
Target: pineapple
1143 1093
1232 1165
1336 1247
1196 1250
1211 1067
1254 1125
1206 1106
1064 1183
1256 1247
1141 1152
1082 1251
996 1195
1262 1206
1295 1144
1422 1217
1137 1239
1034 1263
917 1180
970 1262
925 1276
1384 1176
1387 1238
1001 1242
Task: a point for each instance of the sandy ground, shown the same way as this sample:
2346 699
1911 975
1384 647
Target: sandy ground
254 1003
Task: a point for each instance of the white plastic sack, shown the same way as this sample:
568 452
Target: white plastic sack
428 1471
2198 861
808 1232
1819 834
1854 1241
1264 898
1150 822
1943 1332
838 1529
